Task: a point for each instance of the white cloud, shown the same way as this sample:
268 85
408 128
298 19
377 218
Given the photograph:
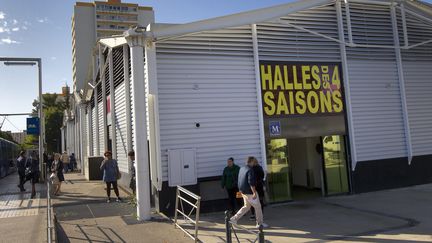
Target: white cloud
42 20
53 58
14 21
4 30
24 27
2 15
15 29
8 40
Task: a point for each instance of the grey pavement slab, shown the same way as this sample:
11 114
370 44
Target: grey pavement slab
400 215
22 219
83 215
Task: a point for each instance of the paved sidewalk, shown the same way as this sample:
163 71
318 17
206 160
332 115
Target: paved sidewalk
22 219
393 216
83 215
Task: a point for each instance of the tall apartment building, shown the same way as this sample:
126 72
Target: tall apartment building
92 21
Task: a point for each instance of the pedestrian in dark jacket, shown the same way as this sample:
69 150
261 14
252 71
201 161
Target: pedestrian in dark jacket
229 182
247 186
21 166
132 183
110 175
259 176
33 165
57 169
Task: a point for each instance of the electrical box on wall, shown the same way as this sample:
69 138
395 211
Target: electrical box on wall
182 167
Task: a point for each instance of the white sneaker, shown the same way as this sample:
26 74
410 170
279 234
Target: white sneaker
264 225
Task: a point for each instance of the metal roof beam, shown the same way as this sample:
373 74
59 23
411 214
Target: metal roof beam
245 18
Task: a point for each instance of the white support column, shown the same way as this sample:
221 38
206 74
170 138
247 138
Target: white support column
348 19
402 85
128 97
136 42
259 98
104 102
97 139
153 104
112 104
83 137
89 131
62 130
347 86
404 25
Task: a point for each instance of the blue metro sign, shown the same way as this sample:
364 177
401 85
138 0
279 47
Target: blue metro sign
33 126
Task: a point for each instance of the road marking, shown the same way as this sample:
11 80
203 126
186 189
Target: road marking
16 205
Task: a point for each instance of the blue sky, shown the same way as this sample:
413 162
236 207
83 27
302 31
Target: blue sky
42 28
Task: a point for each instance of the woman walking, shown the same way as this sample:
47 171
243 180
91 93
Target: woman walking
57 169
111 174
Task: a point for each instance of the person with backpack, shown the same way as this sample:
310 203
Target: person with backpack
247 186
259 176
229 183
21 167
111 174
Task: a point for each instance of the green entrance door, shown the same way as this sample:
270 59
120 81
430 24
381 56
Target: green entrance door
335 165
278 171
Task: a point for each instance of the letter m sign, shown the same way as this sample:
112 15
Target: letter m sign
275 128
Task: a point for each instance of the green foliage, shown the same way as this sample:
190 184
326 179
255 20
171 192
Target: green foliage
54 107
30 142
6 135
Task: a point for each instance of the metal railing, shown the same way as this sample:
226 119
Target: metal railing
231 228
181 195
50 227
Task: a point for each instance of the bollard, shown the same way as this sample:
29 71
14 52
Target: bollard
228 227
261 234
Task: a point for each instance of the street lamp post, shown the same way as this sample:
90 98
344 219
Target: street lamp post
22 61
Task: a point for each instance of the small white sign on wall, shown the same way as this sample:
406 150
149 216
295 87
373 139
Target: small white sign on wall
182 167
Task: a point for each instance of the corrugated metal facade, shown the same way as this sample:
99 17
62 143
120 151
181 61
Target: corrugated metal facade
208 78
120 110
417 63
101 129
279 42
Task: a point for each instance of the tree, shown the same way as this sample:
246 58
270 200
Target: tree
53 113
7 136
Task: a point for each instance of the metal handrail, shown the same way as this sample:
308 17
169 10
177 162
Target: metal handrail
231 228
189 193
49 225
187 216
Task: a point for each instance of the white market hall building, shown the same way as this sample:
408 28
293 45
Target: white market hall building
332 97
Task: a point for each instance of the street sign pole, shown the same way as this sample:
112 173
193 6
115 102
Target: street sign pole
23 61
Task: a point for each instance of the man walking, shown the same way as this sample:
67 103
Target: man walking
246 185
132 183
21 166
65 160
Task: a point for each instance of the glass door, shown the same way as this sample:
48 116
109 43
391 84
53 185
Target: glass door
335 165
278 171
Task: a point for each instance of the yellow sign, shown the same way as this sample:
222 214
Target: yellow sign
300 88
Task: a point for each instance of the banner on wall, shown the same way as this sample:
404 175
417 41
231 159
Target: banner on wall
293 88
